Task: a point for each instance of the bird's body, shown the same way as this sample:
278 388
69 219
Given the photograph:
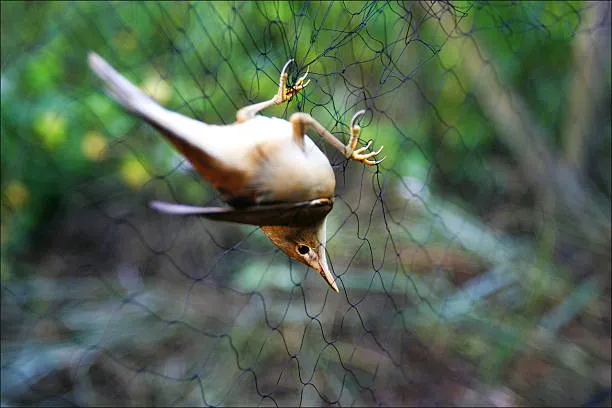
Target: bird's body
256 161
270 172
266 163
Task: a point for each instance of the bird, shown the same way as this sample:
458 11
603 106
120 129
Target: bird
269 172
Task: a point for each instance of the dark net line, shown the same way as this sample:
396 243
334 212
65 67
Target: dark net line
445 254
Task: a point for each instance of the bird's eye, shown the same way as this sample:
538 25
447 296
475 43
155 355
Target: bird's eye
303 249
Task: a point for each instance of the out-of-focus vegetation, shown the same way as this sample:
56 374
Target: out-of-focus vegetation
474 263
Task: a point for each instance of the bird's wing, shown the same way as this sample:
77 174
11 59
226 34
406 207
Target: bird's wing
136 101
288 214
204 145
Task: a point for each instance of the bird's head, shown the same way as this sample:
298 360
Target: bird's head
305 244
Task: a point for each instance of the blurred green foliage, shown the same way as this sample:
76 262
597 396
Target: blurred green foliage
52 103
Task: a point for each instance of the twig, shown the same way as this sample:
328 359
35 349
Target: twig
557 187
586 92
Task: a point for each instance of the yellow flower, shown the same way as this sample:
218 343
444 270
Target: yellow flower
16 193
126 40
158 88
94 146
51 127
133 173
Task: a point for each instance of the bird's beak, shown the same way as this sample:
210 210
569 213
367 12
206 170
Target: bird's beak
323 267
285 238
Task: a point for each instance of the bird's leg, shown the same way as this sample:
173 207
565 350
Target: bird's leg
283 95
300 120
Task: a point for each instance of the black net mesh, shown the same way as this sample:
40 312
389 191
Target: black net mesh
473 263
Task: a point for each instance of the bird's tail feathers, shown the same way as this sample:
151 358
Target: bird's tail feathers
121 89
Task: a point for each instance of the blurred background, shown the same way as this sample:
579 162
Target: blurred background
473 263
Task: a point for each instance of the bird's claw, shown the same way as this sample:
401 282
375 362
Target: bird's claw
284 93
359 156
300 84
354 118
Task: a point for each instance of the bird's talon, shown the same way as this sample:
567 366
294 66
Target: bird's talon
303 77
379 161
358 155
362 149
284 94
355 116
283 71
